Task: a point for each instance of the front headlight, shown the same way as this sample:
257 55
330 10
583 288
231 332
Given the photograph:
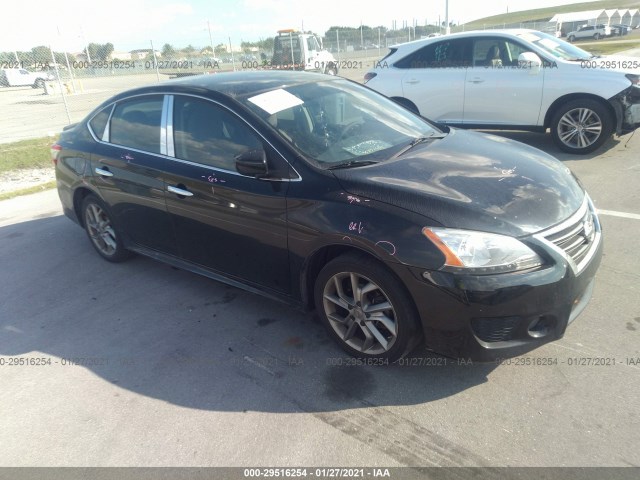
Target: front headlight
472 252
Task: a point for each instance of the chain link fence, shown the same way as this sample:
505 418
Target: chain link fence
43 90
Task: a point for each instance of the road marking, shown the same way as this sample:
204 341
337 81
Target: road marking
613 213
259 365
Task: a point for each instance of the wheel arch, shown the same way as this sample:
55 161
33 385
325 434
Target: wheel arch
78 197
555 106
316 262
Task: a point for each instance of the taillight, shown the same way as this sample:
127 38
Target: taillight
55 152
369 76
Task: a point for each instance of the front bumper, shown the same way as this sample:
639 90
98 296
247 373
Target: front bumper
488 317
627 108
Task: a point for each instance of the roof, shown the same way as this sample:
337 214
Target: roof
576 16
231 84
469 33
249 82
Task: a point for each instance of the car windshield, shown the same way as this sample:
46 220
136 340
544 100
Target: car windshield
554 46
336 122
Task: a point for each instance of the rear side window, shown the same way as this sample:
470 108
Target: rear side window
136 123
443 54
99 122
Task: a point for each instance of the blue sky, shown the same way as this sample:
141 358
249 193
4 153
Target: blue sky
131 24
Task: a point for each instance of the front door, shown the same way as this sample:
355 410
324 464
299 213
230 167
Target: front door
225 221
500 91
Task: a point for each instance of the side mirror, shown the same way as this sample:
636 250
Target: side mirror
252 163
530 61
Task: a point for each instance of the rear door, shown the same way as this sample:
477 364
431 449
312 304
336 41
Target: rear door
225 221
434 78
128 165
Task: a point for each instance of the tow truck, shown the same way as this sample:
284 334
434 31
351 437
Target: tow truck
295 50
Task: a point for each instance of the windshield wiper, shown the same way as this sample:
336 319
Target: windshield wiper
352 163
415 142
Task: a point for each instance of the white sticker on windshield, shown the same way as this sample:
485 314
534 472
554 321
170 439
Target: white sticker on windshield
550 44
275 101
529 37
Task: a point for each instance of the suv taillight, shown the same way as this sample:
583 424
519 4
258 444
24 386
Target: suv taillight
55 152
369 76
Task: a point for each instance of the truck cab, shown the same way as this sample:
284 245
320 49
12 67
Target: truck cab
294 50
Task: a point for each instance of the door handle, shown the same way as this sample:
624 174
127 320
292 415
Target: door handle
412 81
104 172
179 191
476 80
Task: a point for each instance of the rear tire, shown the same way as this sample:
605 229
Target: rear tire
39 83
571 38
378 320
596 36
581 126
103 234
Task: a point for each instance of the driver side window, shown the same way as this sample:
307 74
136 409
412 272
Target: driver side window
207 133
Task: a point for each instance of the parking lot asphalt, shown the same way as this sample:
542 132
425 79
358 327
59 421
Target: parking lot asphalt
140 364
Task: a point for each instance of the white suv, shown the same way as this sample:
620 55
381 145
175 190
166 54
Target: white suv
514 80
590 31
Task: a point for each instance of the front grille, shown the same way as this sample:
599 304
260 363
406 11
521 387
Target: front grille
500 329
576 239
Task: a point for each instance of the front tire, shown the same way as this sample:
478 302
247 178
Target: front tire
571 38
103 234
581 126
39 83
331 70
596 36
366 309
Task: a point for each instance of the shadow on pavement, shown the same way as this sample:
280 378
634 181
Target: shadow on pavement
178 337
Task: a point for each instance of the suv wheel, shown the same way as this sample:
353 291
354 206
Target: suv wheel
571 38
39 83
596 36
365 309
581 126
103 234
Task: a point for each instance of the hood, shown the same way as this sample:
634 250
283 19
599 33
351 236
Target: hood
473 181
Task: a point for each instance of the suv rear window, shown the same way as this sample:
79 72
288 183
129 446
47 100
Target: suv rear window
443 54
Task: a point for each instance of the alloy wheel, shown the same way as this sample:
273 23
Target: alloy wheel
579 128
360 313
100 229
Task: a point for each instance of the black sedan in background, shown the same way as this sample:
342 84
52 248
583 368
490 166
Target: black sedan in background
318 191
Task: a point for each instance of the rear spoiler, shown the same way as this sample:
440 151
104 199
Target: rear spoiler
69 127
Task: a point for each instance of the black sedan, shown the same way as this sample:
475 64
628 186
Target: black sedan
318 191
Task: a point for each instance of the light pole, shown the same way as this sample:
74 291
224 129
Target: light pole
86 45
447 29
213 50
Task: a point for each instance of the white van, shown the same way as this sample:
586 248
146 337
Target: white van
18 77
